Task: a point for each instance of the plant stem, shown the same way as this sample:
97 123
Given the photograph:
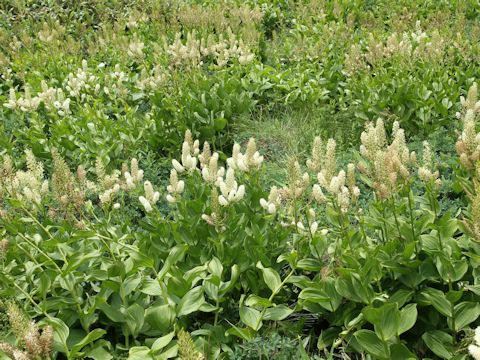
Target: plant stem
396 221
454 333
271 298
40 251
38 222
384 223
215 321
412 223
29 298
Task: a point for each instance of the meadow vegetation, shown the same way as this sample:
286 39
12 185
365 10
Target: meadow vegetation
239 179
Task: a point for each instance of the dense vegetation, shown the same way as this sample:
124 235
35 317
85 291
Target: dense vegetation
239 180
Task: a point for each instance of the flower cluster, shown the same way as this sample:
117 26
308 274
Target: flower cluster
52 98
250 161
77 84
230 191
3 248
151 80
211 173
313 225
215 217
273 202
151 197
25 103
468 144
341 187
195 51
175 188
115 84
417 45
55 99
50 34
135 49
186 347
29 186
291 195
426 172
190 151
225 189
388 166
472 222
471 102
36 343
132 177
110 184
68 190
474 349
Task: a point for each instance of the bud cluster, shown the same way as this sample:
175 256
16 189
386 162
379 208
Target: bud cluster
175 188
468 144
426 172
250 161
36 343
194 51
388 166
151 197
190 150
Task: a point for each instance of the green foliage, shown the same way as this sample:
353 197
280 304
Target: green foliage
274 346
240 254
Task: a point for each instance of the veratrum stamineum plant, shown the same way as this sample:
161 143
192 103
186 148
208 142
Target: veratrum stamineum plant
115 263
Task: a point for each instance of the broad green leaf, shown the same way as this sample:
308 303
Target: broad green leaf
215 267
140 353
61 332
385 319
129 285
325 295
438 300
314 295
277 313
169 352
255 300
226 286
250 317
112 312
351 286
176 253
464 314
271 278
135 317
449 269
370 342
100 351
191 301
220 123
401 296
474 288
91 337
243 333
207 307
160 317
408 317
401 352
151 287
163 341
327 337
309 264
211 289
439 342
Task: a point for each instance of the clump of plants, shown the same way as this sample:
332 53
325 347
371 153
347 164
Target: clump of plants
135 224
365 248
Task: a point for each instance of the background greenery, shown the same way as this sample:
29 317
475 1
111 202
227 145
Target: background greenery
94 82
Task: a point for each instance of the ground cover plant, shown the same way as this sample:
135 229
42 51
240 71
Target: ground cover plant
239 180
